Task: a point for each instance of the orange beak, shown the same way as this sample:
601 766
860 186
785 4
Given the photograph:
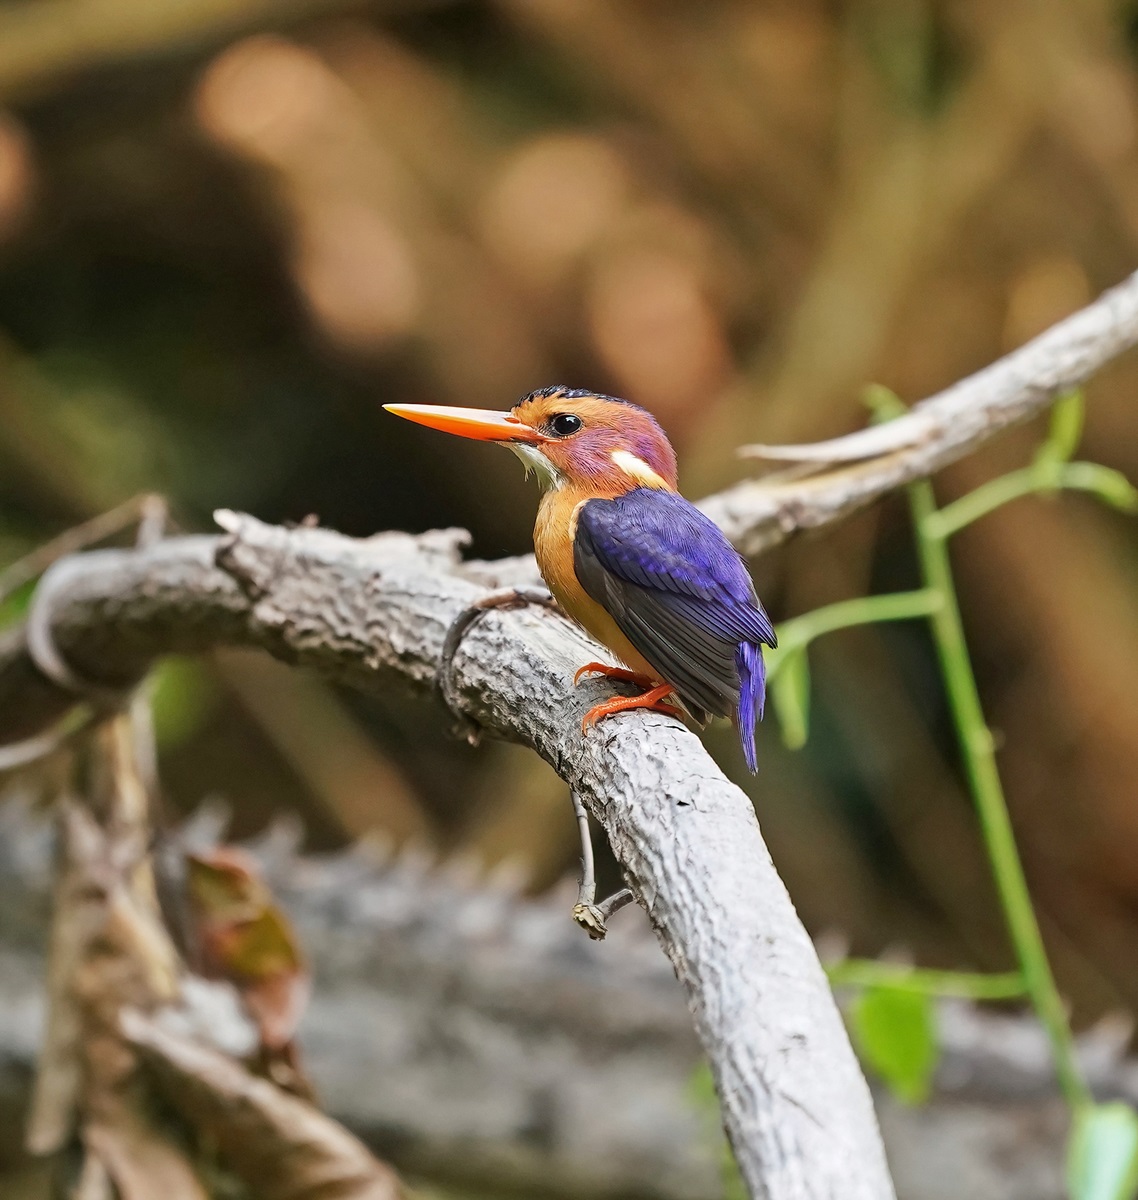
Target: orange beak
478 423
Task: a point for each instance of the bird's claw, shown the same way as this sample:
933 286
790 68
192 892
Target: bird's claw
621 674
653 700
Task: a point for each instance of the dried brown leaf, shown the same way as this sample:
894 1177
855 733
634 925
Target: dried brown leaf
109 950
243 936
141 1159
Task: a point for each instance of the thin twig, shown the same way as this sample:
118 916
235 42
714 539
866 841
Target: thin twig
78 537
16 756
591 916
587 890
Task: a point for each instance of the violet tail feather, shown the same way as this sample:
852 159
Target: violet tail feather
752 692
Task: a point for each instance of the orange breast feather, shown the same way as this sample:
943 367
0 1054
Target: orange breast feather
553 546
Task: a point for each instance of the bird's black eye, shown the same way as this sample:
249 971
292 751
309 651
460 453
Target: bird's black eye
565 423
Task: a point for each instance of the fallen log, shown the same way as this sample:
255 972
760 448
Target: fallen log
468 1033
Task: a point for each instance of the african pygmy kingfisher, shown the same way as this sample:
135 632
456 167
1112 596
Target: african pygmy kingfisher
627 557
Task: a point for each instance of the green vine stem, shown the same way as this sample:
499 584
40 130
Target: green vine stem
862 610
1112 487
937 601
970 985
978 750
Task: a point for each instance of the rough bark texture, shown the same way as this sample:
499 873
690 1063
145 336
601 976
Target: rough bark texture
374 614
371 613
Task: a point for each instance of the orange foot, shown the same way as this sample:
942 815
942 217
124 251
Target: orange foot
653 700
621 674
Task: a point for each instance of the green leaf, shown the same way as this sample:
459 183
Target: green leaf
182 696
1066 429
790 694
1102 1158
895 1034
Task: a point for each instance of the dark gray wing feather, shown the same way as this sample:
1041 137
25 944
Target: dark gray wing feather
677 590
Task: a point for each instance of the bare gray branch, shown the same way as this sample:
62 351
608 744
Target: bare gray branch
758 514
374 614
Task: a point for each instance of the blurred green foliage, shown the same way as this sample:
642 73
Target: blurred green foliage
182 697
227 237
702 1090
894 1032
1103 1161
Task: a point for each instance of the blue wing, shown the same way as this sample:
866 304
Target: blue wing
682 596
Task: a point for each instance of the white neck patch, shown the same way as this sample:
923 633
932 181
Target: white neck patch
638 470
532 458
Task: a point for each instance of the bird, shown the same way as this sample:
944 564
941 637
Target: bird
630 560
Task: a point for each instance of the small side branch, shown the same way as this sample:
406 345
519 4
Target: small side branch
852 471
591 916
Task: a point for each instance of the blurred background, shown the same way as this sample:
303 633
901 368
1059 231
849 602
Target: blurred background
231 230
